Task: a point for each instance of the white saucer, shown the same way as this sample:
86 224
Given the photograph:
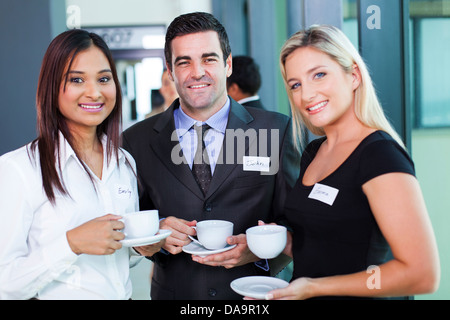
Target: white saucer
257 286
138 242
199 250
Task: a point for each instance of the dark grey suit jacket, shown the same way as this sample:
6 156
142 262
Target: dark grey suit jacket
254 104
242 197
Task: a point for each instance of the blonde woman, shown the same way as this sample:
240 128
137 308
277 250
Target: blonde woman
360 225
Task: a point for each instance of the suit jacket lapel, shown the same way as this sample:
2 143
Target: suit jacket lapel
239 118
167 148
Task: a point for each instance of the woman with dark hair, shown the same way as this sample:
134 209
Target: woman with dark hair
61 196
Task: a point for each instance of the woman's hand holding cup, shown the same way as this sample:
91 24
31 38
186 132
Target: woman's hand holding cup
100 236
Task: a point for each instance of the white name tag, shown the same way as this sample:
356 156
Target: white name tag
324 193
261 164
123 192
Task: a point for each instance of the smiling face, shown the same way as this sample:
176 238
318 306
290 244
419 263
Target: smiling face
199 73
321 90
89 95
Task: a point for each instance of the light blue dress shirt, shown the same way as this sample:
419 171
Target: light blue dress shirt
213 139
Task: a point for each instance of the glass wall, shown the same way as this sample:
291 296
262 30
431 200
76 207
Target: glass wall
430 21
350 21
430 65
429 109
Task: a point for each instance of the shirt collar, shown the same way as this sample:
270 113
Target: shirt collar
66 151
217 121
248 99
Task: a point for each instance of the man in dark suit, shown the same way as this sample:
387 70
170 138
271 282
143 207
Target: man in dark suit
252 165
244 83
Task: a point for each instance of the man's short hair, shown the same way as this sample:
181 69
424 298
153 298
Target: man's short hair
193 23
245 74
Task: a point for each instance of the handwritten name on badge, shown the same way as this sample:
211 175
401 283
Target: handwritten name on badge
123 192
324 193
261 164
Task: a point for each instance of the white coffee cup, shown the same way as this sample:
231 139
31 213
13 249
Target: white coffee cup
213 234
266 241
140 224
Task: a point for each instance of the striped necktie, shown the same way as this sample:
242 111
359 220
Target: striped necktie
201 168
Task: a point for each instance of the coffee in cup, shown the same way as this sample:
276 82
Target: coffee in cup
140 224
266 241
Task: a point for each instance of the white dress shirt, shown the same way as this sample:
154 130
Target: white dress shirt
35 257
248 99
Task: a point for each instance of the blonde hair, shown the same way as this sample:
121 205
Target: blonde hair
334 43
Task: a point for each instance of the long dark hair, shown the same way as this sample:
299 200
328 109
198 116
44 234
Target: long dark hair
59 56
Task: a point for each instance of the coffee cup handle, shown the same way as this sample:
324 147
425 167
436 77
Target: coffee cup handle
193 239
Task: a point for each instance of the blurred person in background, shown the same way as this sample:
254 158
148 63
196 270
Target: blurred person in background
245 81
168 92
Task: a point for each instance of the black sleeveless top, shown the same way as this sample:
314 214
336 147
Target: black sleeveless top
334 230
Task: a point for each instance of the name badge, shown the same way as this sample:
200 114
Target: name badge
261 164
324 193
123 192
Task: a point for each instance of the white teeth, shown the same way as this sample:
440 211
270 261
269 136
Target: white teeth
199 86
318 106
90 107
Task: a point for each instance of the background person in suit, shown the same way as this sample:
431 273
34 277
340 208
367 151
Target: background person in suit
199 61
244 83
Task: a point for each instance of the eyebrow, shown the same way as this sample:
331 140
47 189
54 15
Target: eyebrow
205 55
315 68
309 71
211 54
81 72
